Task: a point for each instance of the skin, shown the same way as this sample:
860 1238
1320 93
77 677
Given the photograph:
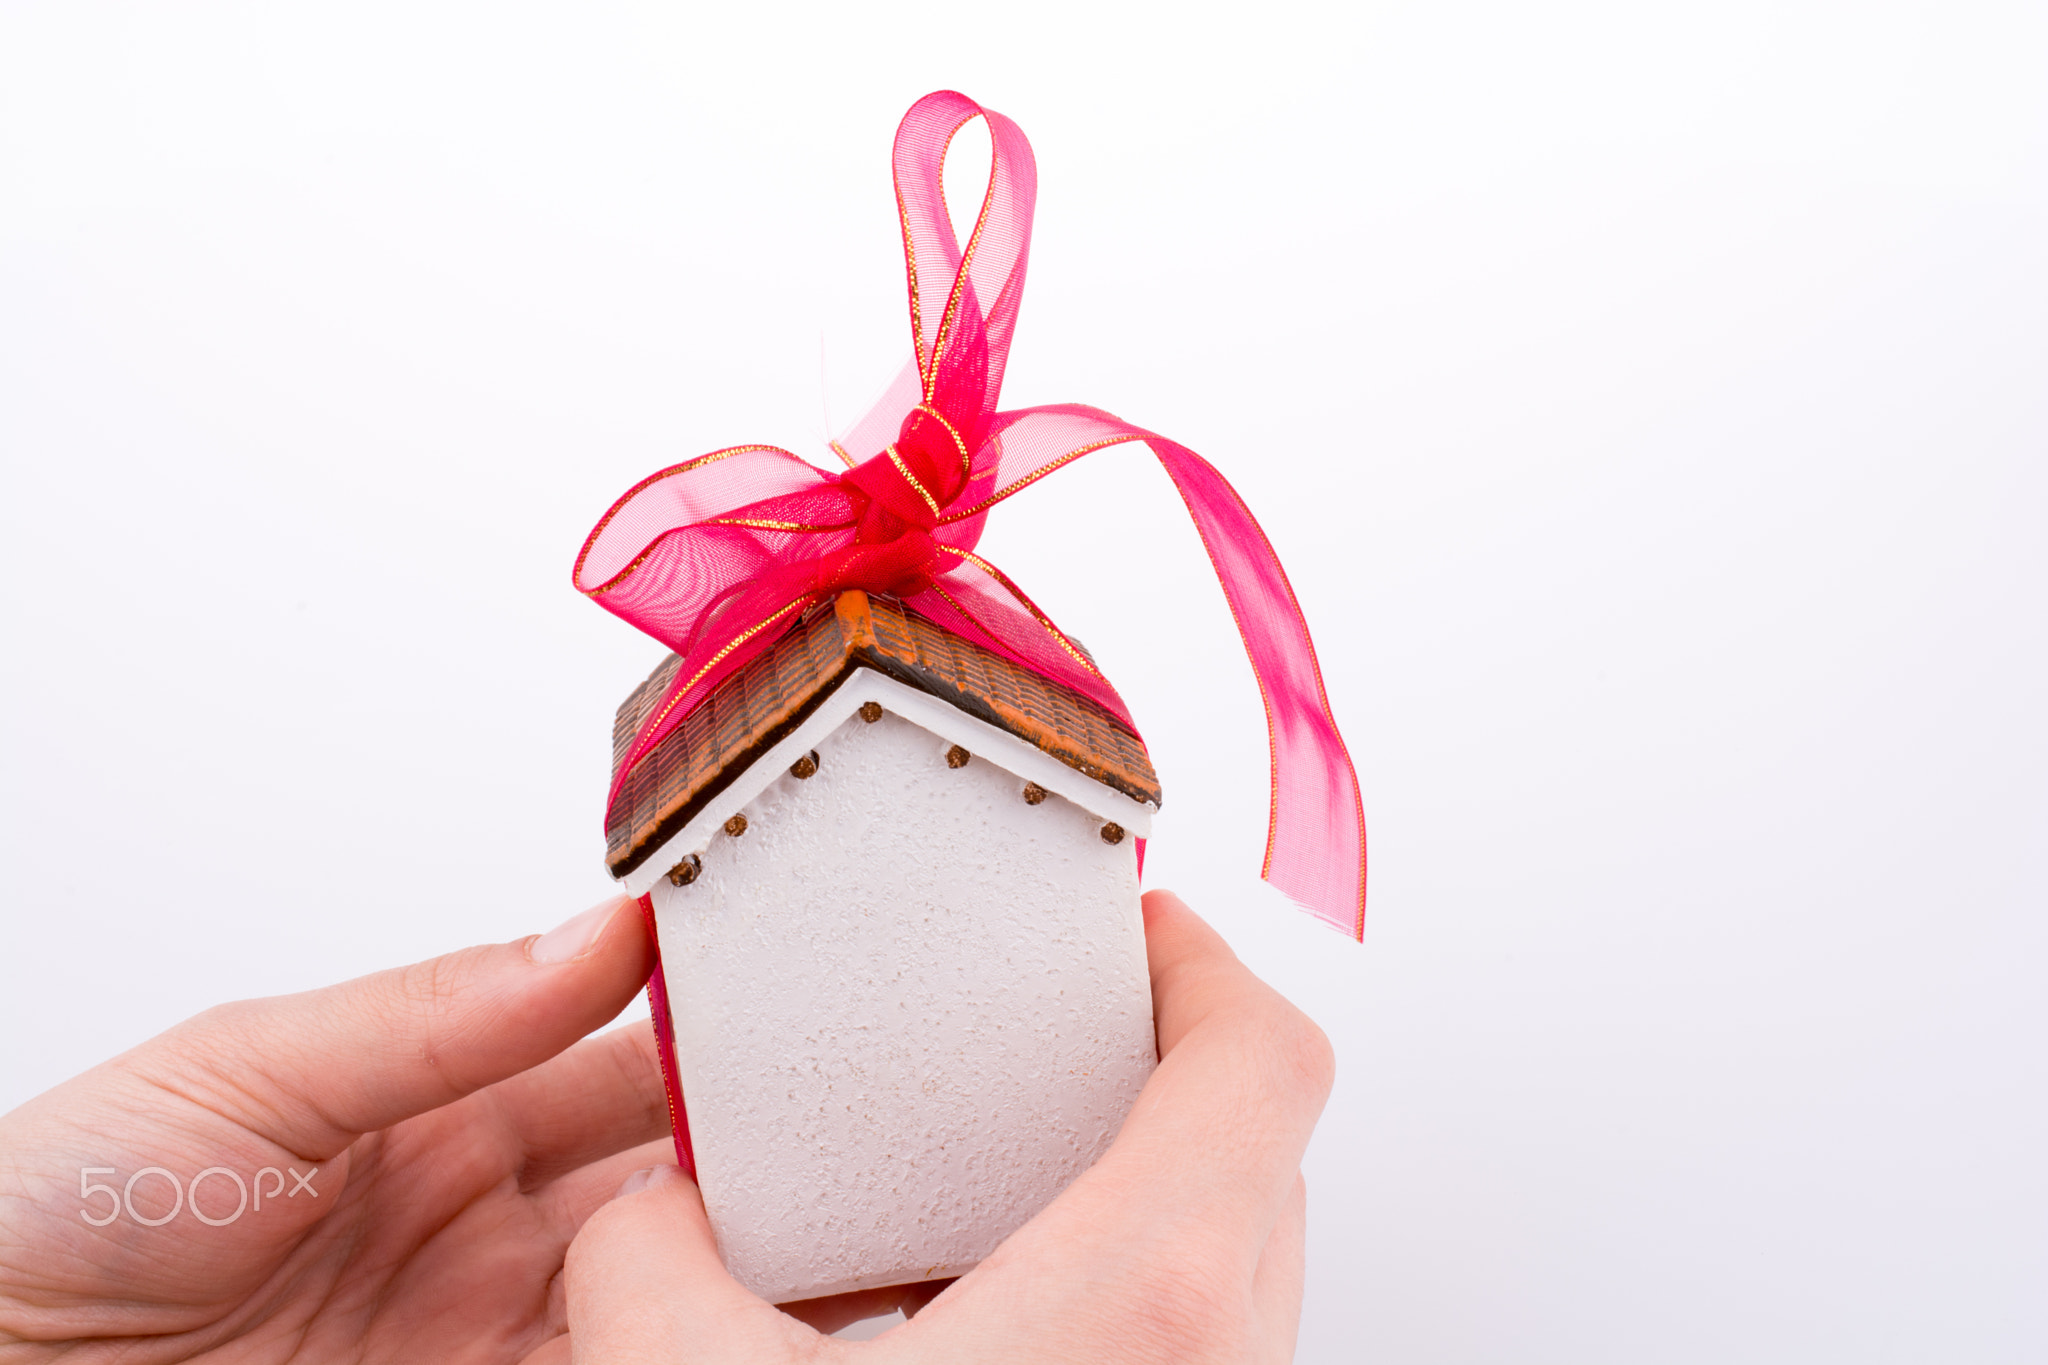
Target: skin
492 1189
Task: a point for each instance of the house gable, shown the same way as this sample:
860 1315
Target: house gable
761 707
945 725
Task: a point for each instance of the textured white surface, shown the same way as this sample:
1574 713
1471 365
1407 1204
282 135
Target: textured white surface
909 1009
940 717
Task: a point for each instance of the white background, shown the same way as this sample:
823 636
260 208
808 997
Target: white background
1646 399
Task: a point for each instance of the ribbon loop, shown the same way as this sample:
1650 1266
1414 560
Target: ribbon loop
719 556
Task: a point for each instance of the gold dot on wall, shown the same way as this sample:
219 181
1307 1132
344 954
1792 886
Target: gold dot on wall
956 757
738 826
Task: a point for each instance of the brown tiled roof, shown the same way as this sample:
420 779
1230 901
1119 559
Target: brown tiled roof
772 695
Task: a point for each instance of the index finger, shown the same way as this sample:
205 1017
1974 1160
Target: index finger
310 1072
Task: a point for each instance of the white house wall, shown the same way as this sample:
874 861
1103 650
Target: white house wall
909 1009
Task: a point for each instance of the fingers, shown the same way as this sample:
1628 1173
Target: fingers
834 1311
1277 1283
1193 970
646 1286
827 1315
554 1352
567 1202
918 1297
600 1097
1217 1134
313 1071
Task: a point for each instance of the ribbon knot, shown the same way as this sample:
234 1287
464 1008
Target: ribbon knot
718 556
915 478
902 566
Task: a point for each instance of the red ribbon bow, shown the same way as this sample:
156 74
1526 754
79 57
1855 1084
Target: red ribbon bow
718 556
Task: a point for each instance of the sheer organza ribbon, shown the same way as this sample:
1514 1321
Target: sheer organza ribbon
718 556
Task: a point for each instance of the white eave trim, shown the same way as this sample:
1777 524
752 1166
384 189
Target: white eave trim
928 712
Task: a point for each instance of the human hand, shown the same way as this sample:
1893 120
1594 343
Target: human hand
1183 1244
457 1154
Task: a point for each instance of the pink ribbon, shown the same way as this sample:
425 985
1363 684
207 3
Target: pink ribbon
718 556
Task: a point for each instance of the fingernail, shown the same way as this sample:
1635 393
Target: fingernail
573 938
663 1174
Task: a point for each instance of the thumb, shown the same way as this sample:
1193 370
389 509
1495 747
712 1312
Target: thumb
313 1071
645 1284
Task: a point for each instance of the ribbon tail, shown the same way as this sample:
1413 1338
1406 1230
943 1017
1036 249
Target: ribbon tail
1315 829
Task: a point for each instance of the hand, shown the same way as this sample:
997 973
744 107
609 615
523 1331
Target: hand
1183 1244
455 1156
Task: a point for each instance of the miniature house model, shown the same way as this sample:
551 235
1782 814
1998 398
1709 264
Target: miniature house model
895 882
